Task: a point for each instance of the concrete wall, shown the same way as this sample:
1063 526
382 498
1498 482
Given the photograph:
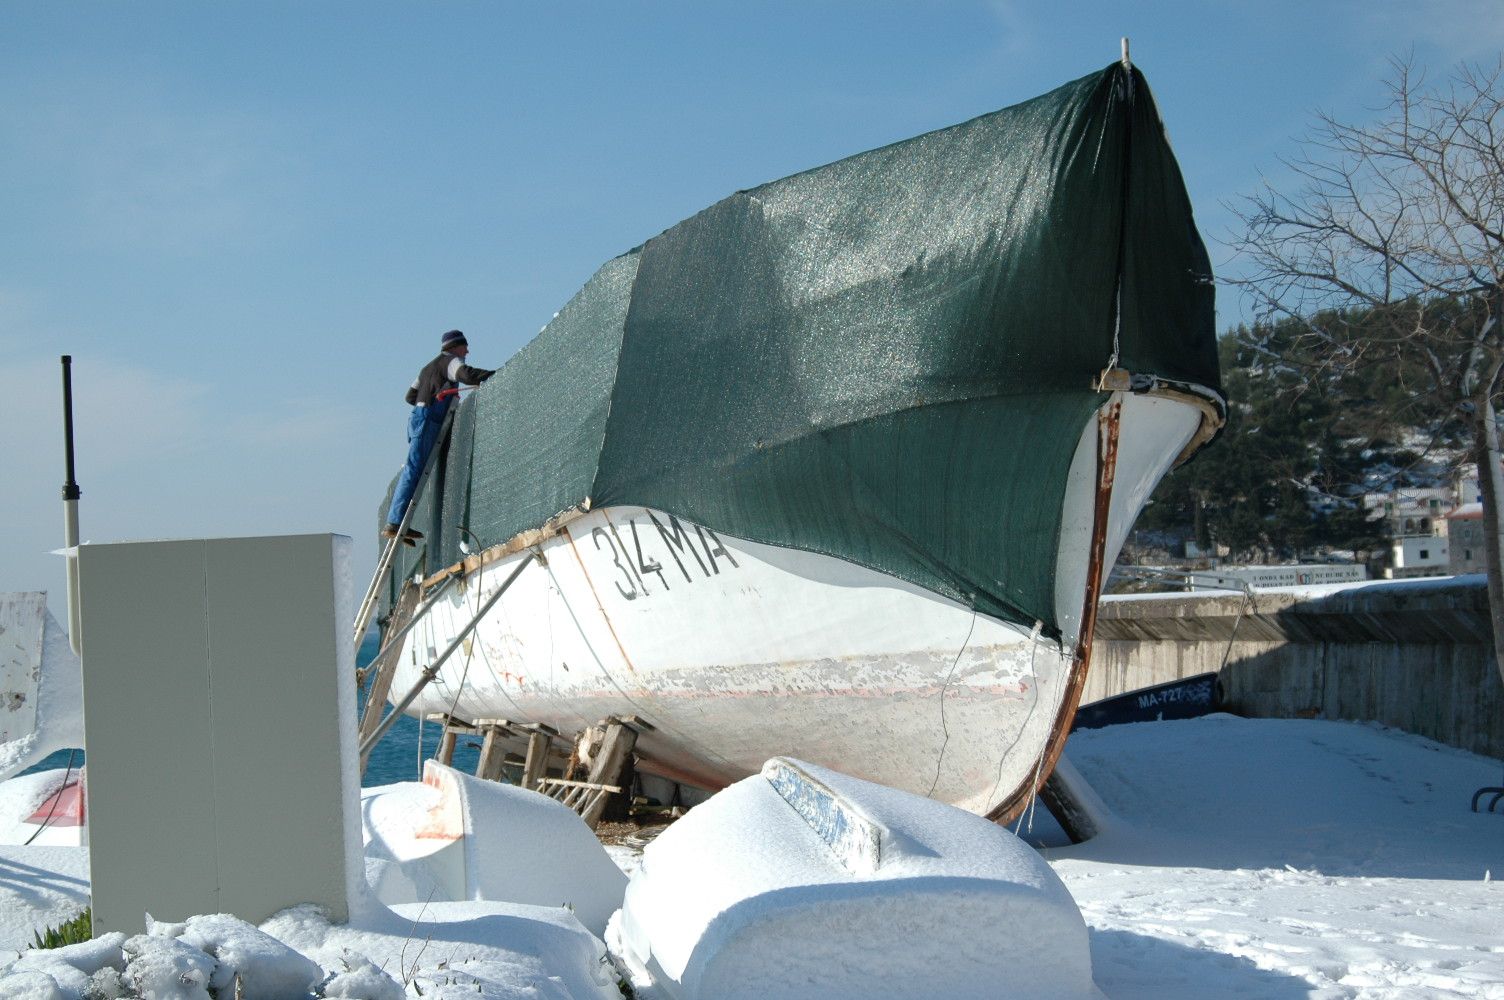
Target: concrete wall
1417 656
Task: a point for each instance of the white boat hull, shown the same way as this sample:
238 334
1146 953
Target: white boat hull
735 652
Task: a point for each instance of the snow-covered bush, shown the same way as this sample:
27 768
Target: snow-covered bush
210 957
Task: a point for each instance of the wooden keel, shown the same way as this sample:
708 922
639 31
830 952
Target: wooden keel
1108 421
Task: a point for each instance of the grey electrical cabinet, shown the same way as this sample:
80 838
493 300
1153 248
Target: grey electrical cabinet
219 719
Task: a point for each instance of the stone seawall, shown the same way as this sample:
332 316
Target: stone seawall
1416 655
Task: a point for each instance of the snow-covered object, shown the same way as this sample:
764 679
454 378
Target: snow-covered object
87 957
475 950
30 985
267 968
484 840
802 882
164 968
43 685
22 797
402 867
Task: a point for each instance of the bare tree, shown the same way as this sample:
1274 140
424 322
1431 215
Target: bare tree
1391 247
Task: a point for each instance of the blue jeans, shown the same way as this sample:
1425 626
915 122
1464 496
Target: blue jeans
422 431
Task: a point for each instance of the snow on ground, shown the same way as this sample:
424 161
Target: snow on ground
1244 858
1287 858
40 887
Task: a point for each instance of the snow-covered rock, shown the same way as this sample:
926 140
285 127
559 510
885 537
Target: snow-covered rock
802 882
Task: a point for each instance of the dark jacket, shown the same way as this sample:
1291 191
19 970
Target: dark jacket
443 372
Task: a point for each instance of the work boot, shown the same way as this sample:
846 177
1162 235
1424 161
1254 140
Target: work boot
390 531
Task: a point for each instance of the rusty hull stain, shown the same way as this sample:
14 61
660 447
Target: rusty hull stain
599 606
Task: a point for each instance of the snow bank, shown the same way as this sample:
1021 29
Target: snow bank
182 961
458 837
479 951
1288 858
842 888
475 950
39 887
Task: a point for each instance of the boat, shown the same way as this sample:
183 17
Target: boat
834 468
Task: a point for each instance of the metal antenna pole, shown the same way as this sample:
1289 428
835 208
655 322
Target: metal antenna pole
1127 64
71 493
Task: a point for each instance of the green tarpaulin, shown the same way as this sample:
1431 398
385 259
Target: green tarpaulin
888 359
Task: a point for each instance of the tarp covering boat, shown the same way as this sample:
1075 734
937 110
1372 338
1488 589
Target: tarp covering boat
888 359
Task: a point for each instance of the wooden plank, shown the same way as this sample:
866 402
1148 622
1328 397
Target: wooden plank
563 783
536 763
492 755
518 542
445 755
609 762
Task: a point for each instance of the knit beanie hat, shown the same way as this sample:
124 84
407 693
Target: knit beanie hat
453 339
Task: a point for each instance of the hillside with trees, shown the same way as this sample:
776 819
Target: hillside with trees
1285 479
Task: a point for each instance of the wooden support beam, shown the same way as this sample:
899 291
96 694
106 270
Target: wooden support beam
536 764
1073 802
607 767
445 755
492 754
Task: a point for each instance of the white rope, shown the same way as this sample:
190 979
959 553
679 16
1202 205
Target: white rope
1033 649
469 655
940 760
1044 747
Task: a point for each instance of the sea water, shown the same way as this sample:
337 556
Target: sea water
400 754
398 757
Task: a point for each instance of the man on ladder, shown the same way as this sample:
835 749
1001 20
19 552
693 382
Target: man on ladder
430 396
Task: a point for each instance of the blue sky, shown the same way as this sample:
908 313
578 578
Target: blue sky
249 223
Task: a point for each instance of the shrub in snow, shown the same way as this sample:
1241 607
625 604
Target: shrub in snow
164 968
107 984
71 966
268 969
362 980
87 957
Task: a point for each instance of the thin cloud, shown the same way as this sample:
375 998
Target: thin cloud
152 170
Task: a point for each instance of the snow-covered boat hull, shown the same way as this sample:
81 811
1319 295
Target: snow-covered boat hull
734 652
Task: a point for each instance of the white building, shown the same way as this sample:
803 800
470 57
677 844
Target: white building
1465 536
1418 555
1418 511
1415 519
